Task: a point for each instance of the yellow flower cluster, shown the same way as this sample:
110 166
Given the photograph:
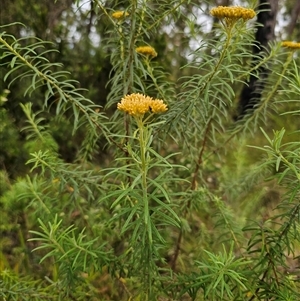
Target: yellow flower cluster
291 45
146 50
137 104
234 12
119 14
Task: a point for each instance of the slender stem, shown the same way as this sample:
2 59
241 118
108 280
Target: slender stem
55 84
128 78
200 160
271 254
37 195
222 56
143 141
150 70
144 170
45 77
168 12
143 10
259 109
177 250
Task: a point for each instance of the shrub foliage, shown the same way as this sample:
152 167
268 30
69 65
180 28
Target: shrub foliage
167 196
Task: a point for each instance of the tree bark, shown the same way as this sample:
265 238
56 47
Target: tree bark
265 33
294 18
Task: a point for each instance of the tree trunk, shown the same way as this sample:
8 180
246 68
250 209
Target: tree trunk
294 18
266 18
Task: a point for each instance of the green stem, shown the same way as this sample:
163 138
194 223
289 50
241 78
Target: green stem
55 84
37 195
168 12
263 105
267 99
30 116
44 76
143 140
144 170
222 56
144 7
156 85
206 132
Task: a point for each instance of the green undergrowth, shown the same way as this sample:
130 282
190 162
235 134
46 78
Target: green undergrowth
181 201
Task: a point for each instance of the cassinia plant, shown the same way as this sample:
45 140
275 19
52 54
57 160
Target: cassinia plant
165 217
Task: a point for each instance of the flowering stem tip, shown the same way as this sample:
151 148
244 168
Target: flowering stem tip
137 105
119 14
233 13
146 50
290 45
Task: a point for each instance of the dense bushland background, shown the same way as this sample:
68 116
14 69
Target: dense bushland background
198 203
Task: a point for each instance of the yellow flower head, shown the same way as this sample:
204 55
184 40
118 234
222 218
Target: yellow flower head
233 12
291 45
137 104
119 14
146 50
157 106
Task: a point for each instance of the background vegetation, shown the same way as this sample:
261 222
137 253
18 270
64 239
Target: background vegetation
198 203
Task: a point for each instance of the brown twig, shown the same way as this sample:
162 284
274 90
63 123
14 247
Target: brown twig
193 187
